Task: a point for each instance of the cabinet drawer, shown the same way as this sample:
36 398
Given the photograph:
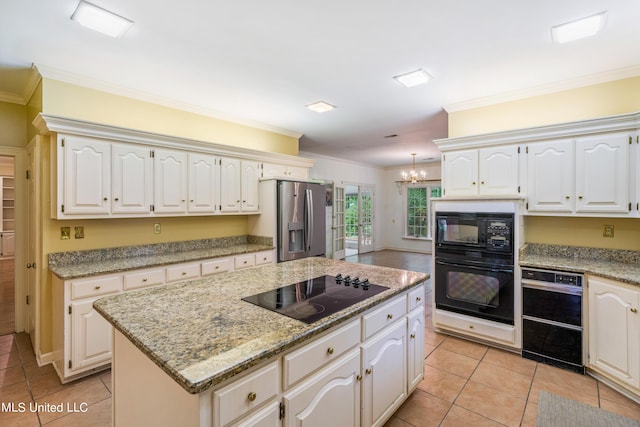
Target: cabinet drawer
140 279
416 298
263 258
183 272
214 266
244 261
243 395
313 356
383 316
95 286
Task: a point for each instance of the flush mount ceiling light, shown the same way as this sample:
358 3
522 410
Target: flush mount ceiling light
579 29
320 107
413 78
101 20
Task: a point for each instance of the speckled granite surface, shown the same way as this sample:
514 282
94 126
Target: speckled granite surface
201 333
74 264
614 264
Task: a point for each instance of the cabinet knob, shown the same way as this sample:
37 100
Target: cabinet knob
116 199
634 310
251 397
184 273
217 267
330 351
580 197
359 377
145 279
105 199
482 182
389 316
470 326
245 262
412 336
368 371
473 183
418 299
97 287
567 197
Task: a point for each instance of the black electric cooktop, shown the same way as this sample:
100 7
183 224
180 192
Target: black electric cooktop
313 299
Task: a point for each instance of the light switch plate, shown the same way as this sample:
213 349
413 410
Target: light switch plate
607 230
79 232
65 233
156 228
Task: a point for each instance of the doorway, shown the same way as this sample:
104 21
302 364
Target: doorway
359 217
7 245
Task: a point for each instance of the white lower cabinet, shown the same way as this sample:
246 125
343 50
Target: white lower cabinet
91 337
331 397
384 383
614 331
415 348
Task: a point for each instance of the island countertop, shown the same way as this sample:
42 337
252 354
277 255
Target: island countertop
201 333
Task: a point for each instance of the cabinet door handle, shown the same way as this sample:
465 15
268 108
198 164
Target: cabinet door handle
368 371
634 310
251 397
330 351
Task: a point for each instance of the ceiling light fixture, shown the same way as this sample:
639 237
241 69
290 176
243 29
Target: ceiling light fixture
320 107
101 20
579 29
414 78
413 176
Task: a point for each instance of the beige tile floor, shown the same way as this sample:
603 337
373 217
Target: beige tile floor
7 296
465 384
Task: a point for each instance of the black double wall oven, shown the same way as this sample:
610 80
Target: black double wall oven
474 264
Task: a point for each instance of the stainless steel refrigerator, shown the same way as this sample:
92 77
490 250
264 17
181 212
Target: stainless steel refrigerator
301 220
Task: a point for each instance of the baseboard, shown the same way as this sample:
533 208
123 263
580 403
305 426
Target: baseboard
391 248
44 359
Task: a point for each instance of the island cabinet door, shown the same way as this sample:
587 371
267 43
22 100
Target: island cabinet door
415 353
329 398
384 383
91 337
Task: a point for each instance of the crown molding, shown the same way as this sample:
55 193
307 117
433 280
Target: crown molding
30 86
46 123
622 122
78 80
589 80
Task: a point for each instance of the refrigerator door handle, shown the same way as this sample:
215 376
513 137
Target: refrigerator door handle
309 219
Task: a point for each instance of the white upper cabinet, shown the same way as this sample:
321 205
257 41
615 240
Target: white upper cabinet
275 170
132 179
588 175
550 176
86 178
461 173
230 175
204 183
491 171
250 189
602 173
170 181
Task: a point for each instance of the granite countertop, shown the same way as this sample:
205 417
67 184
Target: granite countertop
614 264
201 333
72 265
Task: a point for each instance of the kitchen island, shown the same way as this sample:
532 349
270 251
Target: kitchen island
194 353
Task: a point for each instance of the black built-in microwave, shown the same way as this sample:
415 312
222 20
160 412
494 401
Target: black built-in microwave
485 231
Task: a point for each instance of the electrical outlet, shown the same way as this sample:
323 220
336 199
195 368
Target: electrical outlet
156 228
65 233
607 230
79 232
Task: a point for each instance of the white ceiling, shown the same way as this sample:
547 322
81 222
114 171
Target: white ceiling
258 61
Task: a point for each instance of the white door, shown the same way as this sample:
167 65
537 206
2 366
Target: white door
384 383
614 330
365 225
249 186
602 173
498 168
87 175
131 179
33 241
230 177
329 398
204 188
91 336
461 173
170 183
551 176
338 222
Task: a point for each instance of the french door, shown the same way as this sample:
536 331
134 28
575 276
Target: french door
338 227
365 226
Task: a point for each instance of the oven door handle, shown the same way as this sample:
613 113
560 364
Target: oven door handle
552 287
475 267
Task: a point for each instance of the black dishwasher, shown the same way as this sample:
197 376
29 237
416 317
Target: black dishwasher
552 318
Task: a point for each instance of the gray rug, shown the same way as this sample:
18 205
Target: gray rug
556 411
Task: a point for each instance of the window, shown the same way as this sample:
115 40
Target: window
418 210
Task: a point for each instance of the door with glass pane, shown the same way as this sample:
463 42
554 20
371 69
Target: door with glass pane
365 226
338 222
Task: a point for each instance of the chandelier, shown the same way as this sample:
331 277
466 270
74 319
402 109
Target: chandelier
413 176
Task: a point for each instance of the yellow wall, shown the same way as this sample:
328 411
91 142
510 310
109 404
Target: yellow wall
13 125
605 99
67 100
601 100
